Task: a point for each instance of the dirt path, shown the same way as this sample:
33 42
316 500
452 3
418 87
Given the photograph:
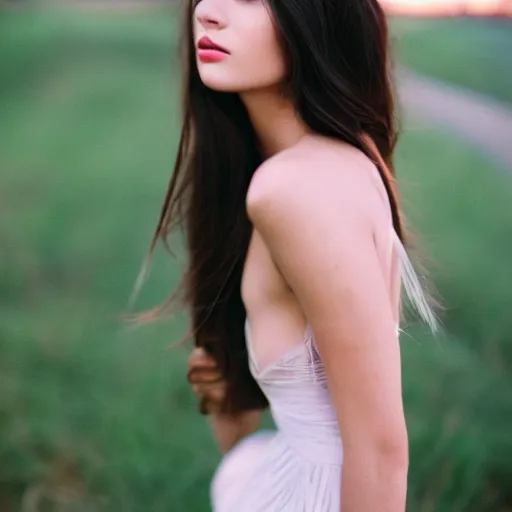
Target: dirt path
482 121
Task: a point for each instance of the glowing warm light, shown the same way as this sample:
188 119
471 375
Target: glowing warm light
449 7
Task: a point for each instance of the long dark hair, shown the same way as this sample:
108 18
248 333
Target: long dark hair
339 80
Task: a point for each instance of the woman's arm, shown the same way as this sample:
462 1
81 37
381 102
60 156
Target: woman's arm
319 222
228 430
207 384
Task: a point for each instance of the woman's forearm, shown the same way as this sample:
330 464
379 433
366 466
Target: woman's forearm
374 482
228 430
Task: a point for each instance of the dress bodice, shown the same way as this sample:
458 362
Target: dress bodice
296 388
301 405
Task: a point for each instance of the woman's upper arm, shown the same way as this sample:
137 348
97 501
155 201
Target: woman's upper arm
320 232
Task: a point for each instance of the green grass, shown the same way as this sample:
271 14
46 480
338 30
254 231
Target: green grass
95 417
457 390
473 53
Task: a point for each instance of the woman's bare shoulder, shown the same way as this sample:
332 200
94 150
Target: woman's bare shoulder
317 174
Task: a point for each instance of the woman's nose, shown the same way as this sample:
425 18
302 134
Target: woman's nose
209 15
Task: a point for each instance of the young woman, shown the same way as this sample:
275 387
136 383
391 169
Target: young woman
284 185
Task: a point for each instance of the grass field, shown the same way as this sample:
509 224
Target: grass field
95 417
473 53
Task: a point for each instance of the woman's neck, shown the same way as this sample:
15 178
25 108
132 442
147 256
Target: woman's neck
275 120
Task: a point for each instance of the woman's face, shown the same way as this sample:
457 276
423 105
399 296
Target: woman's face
249 56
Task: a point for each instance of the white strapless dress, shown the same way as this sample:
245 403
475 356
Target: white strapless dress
298 467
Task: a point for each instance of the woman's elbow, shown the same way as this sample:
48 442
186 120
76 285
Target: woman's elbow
394 454
384 451
393 450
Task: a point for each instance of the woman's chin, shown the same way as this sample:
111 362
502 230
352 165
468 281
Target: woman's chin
217 80
215 86
219 85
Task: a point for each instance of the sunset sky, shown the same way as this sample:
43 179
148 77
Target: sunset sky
440 7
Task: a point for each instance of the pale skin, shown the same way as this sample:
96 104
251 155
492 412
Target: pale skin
317 252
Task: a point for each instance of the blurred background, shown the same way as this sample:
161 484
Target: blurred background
95 416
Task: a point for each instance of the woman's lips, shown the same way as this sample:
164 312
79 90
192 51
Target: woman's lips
208 51
211 55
